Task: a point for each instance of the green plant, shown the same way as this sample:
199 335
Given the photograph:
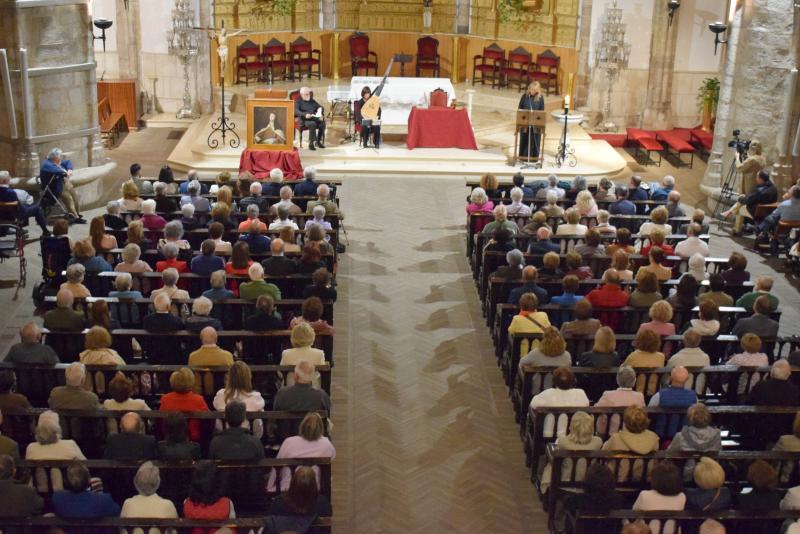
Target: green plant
283 7
270 8
509 10
708 93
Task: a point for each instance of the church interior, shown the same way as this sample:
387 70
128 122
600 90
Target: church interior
409 266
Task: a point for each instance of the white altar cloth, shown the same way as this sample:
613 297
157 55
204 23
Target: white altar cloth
400 94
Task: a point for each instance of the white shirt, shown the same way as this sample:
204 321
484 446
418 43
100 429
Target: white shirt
648 227
253 402
690 245
562 398
571 229
127 406
279 225
222 247
689 357
150 507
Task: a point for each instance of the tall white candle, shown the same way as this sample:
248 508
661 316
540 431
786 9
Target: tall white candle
785 135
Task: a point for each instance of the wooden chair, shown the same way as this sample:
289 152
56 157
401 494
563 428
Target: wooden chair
546 70
517 68
250 60
305 58
488 65
438 98
428 55
360 55
278 62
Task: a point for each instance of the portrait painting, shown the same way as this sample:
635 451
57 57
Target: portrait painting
270 124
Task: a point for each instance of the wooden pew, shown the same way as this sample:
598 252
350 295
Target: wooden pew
735 521
110 123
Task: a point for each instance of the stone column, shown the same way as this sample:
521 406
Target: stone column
583 77
129 41
787 165
658 102
752 92
203 86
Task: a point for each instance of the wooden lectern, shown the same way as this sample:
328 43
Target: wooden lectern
535 120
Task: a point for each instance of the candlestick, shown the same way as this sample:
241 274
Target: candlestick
566 101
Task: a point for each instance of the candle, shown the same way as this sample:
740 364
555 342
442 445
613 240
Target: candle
784 137
566 101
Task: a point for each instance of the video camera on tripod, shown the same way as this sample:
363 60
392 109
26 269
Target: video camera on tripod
741 145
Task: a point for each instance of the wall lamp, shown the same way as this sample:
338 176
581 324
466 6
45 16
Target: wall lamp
718 28
102 25
672 7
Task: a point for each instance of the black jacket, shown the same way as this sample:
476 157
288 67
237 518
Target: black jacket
162 322
301 107
125 446
261 322
279 266
235 444
762 194
115 222
178 452
18 500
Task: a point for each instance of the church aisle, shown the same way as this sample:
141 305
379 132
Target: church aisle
423 426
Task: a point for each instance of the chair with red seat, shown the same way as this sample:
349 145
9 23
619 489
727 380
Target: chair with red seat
488 64
428 55
546 70
305 58
517 68
438 98
360 55
278 61
249 59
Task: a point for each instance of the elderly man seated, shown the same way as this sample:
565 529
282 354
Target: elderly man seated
529 285
73 396
676 395
218 291
162 320
55 174
500 221
201 308
311 117
63 318
131 443
622 206
170 277
759 323
610 294
674 205
147 504
31 350
255 199
200 203
209 354
236 443
691 355
777 390
188 219
763 286
301 396
74 283
257 285
308 187
19 500
10 198
323 199
543 244
78 500
286 202
112 218
692 244
552 185
787 211
512 271
667 185
278 264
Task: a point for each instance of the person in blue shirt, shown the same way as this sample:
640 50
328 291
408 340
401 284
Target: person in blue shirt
206 263
258 242
667 185
218 290
529 285
569 296
83 252
54 173
638 191
543 244
622 206
308 187
78 501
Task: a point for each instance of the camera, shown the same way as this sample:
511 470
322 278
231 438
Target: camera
741 145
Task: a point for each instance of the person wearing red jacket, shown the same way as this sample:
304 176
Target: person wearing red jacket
610 294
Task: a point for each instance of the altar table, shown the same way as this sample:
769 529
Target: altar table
440 128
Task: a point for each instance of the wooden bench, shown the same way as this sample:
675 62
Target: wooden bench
735 521
110 123
702 140
676 145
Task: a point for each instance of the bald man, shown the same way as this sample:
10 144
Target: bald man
278 264
64 318
210 355
676 395
31 351
131 443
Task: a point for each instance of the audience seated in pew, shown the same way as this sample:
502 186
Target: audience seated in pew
763 287
30 350
691 355
210 354
19 500
120 388
78 500
218 291
697 435
583 323
199 319
176 446
716 292
759 323
131 443
257 286
580 437
72 395
667 494
74 283
207 262
98 348
162 319
551 267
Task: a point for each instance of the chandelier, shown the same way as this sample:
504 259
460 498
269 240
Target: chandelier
611 55
182 43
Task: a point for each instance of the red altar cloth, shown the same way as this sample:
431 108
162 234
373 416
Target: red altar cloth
260 162
440 128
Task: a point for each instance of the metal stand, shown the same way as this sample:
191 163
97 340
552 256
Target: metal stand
565 153
528 164
223 124
727 192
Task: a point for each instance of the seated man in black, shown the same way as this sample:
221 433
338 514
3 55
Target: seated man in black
305 109
369 128
764 192
9 198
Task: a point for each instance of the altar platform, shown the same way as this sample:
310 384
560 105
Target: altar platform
492 121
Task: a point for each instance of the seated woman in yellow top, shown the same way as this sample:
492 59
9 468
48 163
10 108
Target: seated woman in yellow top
656 265
647 343
528 321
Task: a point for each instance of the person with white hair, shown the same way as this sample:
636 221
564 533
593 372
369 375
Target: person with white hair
252 219
150 220
674 208
552 185
130 261
275 181
312 118
55 174
72 395
63 318
500 221
8 196
552 209
31 350
112 218
256 198
662 193
173 233
74 284
218 291
194 197
147 504
302 396
308 187
516 207
50 446
187 219
162 320
200 318
692 244
164 203
170 278
777 390
513 271
257 285
210 354
319 218
479 202
323 199
286 202
170 252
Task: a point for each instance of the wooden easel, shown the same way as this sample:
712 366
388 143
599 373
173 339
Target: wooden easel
535 120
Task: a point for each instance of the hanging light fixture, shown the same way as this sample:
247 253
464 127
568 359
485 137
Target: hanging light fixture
672 7
718 28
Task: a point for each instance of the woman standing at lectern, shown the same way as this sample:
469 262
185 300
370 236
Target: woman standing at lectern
532 100
374 129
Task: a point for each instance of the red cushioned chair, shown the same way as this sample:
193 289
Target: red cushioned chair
428 55
298 124
517 68
546 70
249 60
360 55
488 64
438 98
305 59
278 61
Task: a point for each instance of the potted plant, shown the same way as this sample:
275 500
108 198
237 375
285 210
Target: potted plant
707 100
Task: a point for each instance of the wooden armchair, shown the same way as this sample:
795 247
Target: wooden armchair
517 68
428 55
546 70
488 65
250 60
278 62
305 58
360 55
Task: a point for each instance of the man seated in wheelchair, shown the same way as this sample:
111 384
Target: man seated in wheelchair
54 178
18 204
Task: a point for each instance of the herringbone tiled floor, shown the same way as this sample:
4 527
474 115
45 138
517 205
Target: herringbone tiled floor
424 429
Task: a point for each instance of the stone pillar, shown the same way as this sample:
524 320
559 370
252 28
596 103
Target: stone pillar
583 77
54 96
658 103
129 41
758 60
202 63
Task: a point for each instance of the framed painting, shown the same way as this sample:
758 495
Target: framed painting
270 124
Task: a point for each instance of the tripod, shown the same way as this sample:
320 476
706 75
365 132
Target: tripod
726 193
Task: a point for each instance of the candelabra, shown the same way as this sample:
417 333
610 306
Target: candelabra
182 43
611 55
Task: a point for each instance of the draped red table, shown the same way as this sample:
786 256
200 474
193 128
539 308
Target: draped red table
260 162
440 128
